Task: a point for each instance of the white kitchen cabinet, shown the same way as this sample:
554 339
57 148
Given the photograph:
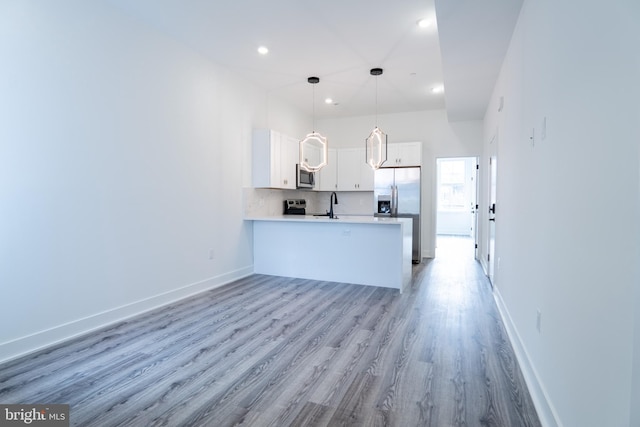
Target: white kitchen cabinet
312 155
274 159
327 177
403 154
354 174
289 157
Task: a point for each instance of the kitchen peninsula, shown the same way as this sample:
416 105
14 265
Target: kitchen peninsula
363 250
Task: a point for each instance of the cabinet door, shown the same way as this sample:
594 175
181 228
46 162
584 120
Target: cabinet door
266 157
348 169
274 159
366 176
410 153
312 155
354 174
328 175
403 154
288 161
393 155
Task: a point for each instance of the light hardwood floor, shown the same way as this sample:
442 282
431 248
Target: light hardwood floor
273 351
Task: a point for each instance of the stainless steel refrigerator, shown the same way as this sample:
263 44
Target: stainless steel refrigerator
397 194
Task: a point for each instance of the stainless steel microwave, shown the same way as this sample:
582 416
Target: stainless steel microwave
304 178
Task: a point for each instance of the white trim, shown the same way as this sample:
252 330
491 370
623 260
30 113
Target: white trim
546 412
483 264
39 340
427 254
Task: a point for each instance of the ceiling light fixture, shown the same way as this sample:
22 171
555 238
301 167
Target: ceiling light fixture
437 89
424 23
376 142
314 150
328 101
263 50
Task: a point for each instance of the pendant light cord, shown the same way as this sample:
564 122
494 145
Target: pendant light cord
376 101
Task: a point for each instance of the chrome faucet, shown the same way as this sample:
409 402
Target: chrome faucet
333 198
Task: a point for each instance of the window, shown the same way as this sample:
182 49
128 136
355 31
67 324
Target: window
451 194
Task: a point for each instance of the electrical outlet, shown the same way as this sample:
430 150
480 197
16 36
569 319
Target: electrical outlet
532 138
346 232
538 320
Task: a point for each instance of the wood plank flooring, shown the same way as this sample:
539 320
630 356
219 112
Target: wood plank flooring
273 351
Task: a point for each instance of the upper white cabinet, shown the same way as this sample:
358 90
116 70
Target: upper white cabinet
312 155
274 159
354 174
403 154
313 152
328 175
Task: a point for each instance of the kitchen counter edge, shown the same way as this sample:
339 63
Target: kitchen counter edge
342 219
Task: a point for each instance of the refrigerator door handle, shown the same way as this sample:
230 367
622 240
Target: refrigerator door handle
394 200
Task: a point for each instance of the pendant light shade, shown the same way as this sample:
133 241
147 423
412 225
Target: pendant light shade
314 149
376 148
376 142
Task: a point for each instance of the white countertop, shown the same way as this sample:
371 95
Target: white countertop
342 219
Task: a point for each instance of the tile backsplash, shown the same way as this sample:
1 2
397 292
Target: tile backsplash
269 202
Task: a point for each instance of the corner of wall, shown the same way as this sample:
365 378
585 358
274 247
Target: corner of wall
46 338
546 412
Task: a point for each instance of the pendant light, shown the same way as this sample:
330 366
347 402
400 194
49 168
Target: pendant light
314 150
376 142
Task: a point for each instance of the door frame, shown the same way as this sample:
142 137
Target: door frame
476 208
474 189
491 217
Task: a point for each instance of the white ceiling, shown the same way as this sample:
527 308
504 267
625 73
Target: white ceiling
340 41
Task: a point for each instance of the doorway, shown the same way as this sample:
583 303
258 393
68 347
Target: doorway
457 206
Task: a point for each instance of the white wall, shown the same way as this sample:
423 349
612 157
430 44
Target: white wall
578 67
122 160
635 380
439 139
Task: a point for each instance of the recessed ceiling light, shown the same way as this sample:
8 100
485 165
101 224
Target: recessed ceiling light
262 50
437 89
424 23
328 101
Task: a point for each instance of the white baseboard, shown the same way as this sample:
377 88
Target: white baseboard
37 341
546 412
485 267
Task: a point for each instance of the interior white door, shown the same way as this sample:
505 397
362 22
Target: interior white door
493 171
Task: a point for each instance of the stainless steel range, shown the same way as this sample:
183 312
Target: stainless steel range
295 207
